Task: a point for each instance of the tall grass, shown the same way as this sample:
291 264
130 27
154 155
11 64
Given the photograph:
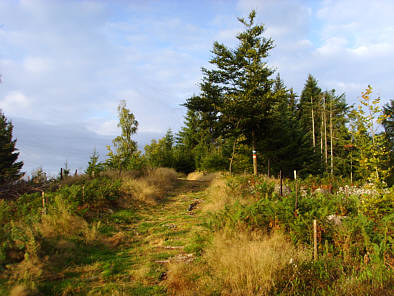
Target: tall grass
242 263
152 186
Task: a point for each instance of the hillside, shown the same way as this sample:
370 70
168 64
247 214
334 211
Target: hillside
162 234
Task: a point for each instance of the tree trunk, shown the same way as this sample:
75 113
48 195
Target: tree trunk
325 132
232 157
331 141
321 134
233 153
313 128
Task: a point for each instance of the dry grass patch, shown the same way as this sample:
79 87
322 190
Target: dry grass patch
201 176
219 195
152 186
140 274
115 240
237 264
19 290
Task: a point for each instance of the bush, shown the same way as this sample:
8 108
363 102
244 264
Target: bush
214 162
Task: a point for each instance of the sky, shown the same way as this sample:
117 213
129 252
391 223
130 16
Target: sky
66 64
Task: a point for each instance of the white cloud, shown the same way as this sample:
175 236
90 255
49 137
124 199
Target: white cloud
332 46
15 103
104 128
37 65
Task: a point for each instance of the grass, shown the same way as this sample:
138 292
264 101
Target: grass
108 253
152 245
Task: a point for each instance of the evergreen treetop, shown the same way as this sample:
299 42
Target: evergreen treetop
9 166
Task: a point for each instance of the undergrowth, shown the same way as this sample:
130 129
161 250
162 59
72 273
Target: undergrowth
261 244
42 234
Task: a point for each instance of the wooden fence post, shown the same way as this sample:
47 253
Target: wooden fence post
296 189
254 163
314 240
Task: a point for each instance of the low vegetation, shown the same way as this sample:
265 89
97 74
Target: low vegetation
259 244
158 233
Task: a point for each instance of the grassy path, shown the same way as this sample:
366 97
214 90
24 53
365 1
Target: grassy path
140 242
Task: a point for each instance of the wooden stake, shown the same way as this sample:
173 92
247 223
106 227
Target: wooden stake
254 163
268 168
61 173
296 189
314 240
43 202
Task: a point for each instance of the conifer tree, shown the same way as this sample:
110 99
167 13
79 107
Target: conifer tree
388 124
388 121
94 166
308 107
286 144
9 166
237 92
160 153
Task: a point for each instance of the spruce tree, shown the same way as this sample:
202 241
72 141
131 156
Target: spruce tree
236 93
308 107
286 144
388 124
9 166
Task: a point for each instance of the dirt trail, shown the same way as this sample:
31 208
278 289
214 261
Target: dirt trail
169 224
159 234
135 246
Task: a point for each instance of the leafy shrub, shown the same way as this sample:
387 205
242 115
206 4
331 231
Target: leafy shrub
214 162
93 192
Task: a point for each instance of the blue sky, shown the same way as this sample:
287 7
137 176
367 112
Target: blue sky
65 65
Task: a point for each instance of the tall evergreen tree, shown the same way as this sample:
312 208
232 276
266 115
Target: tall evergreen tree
388 121
338 133
286 144
9 166
236 93
309 107
388 124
